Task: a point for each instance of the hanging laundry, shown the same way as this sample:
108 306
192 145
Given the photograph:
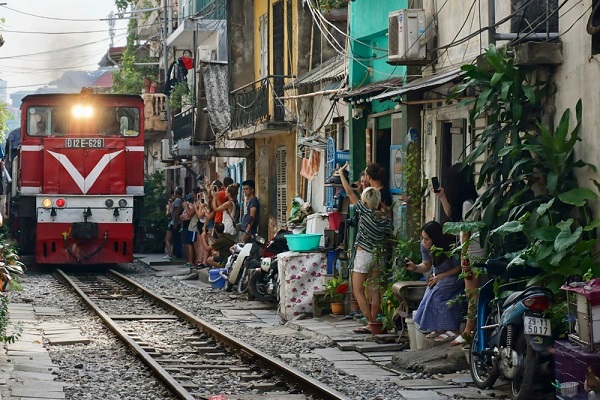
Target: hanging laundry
188 61
315 162
181 71
306 171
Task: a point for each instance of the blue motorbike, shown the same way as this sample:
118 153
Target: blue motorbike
512 336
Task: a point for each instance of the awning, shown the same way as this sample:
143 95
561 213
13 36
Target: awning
421 83
332 70
371 89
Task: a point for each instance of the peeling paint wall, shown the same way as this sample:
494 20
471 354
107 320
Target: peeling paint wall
577 78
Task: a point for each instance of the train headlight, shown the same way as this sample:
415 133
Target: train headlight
109 203
80 111
46 203
60 203
122 203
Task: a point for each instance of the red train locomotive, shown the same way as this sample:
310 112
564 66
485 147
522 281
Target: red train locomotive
79 177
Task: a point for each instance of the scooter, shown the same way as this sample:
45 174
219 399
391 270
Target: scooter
264 280
243 256
512 337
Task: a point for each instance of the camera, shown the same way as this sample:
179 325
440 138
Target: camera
405 262
201 200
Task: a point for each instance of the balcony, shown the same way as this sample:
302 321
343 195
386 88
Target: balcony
155 121
256 109
183 125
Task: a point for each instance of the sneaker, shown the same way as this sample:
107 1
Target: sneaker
167 257
188 265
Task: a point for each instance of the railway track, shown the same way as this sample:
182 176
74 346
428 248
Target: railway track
189 355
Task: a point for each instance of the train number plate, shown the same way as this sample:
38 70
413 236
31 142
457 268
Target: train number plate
84 143
537 326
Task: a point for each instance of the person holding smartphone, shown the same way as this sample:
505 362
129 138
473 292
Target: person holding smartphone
457 201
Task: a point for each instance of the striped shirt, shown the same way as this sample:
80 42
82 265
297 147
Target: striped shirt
373 227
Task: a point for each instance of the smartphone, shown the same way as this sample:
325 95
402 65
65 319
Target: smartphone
215 188
406 261
435 183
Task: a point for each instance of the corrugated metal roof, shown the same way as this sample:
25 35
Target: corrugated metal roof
421 83
372 88
329 71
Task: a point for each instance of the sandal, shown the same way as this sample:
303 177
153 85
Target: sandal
362 330
464 339
444 337
433 334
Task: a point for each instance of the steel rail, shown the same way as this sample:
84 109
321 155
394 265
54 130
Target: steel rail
309 384
163 375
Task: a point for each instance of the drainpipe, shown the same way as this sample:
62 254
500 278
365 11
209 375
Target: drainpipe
166 61
491 22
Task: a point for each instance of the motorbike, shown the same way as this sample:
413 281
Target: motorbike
244 256
512 337
264 280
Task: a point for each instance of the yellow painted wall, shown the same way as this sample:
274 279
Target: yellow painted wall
266 178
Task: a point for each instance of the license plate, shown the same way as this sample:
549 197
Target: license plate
537 326
84 143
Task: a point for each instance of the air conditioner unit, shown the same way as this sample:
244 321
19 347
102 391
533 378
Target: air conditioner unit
406 37
165 153
206 53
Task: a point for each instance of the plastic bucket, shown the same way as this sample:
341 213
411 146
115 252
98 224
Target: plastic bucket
217 277
412 335
420 337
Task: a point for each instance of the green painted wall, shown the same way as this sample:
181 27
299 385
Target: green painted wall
368 24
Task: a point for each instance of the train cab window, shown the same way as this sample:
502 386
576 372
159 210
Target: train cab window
122 121
37 121
60 121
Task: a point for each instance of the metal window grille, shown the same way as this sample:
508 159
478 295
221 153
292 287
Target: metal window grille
281 166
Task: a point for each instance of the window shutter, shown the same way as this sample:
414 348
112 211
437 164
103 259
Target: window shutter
281 166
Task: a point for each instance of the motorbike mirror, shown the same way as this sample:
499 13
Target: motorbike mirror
259 240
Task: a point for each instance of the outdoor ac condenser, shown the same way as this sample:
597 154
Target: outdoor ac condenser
406 37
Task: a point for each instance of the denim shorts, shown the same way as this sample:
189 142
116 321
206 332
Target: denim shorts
363 261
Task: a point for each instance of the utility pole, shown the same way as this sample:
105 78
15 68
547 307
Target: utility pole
166 65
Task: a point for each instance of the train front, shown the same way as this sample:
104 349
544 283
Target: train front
82 176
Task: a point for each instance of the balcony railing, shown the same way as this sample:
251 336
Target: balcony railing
183 124
257 102
155 111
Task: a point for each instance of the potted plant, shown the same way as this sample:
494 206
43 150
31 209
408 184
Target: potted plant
179 96
335 290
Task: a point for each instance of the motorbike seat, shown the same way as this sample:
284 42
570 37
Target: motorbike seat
511 298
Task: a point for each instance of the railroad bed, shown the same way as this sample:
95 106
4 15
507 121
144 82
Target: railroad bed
189 355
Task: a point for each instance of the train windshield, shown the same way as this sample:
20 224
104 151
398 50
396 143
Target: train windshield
83 120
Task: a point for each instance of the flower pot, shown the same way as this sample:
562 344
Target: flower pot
337 308
376 327
354 305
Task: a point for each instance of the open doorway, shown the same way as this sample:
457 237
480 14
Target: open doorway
452 149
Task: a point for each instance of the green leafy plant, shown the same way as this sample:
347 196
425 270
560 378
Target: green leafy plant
180 96
335 289
405 249
534 211
328 5
153 215
389 303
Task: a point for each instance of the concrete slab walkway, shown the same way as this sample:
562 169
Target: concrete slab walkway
26 370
